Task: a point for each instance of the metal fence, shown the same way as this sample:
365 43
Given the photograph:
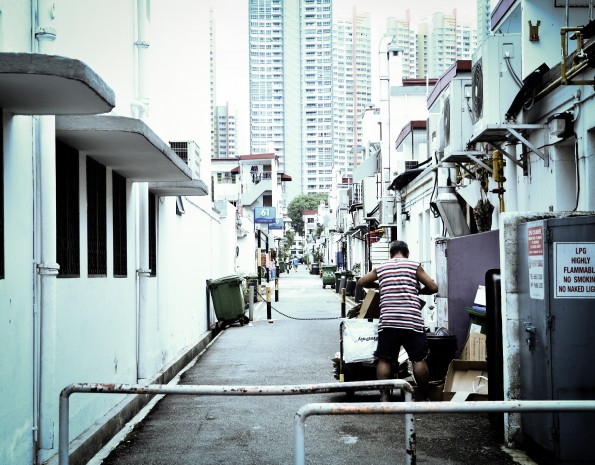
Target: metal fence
213 390
410 408
407 408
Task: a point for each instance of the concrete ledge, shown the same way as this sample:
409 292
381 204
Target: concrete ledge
90 442
38 84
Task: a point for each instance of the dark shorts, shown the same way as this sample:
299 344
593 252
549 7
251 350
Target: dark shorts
390 341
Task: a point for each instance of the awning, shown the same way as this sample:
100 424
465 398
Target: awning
405 178
235 170
37 84
188 188
126 145
285 177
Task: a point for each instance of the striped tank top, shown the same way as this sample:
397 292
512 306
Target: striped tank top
399 290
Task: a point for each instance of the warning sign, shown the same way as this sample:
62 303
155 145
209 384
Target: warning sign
575 270
536 266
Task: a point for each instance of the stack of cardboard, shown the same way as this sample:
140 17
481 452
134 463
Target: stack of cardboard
466 380
370 308
467 377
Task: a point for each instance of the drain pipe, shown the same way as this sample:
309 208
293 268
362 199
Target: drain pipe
399 208
140 110
45 406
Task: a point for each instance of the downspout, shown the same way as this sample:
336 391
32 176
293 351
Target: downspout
140 110
45 401
354 74
385 133
399 208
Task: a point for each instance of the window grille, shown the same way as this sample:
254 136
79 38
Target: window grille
152 235
410 165
96 219
181 148
119 226
67 211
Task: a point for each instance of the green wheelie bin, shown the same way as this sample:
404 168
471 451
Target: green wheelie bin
328 276
228 300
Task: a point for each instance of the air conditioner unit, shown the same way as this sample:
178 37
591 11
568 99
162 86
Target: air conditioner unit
435 134
387 210
493 85
457 124
189 152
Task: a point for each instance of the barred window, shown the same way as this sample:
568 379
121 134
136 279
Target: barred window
152 235
119 225
67 211
96 219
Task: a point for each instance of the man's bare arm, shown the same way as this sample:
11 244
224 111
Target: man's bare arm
430 287
368 280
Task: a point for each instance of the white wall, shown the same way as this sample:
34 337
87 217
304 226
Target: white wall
95 323
16 306
102 35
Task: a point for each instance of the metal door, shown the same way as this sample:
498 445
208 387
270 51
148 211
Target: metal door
557 308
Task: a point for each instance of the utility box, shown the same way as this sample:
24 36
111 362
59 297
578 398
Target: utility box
556 263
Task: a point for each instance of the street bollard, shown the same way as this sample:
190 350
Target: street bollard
276 289
251 303
343 303
269 303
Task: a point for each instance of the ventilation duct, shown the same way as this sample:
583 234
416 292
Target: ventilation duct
451 212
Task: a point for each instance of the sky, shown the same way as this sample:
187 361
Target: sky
231 29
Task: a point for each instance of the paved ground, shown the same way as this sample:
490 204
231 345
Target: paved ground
293 349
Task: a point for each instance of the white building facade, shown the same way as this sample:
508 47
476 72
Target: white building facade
103 278
352 91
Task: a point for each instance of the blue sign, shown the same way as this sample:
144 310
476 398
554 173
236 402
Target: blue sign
264 214
278 224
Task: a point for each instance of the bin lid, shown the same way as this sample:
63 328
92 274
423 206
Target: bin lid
232 279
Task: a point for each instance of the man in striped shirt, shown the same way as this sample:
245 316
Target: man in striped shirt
401 320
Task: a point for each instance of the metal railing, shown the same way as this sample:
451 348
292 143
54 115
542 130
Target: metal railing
213 390
410 408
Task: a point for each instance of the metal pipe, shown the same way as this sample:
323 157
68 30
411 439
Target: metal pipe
276 289
408 407
269 313
251 290
213 390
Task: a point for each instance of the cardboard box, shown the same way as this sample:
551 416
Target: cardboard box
474 348
370 305
466 380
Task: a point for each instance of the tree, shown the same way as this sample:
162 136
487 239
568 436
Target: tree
284 252
296 208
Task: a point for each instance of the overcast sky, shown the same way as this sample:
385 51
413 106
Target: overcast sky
231 31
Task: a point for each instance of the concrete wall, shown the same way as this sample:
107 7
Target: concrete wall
17 336
94 331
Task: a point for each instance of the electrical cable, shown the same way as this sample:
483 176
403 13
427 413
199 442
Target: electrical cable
296 318
578 178
512 73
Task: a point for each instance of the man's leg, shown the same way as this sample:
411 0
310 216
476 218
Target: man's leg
384 371
422 379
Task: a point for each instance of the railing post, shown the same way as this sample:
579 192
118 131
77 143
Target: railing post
277 289
251 291
410 438
343 303
63 426
269 314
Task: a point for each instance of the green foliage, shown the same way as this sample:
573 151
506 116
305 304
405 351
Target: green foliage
303 202
287 244
317 256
